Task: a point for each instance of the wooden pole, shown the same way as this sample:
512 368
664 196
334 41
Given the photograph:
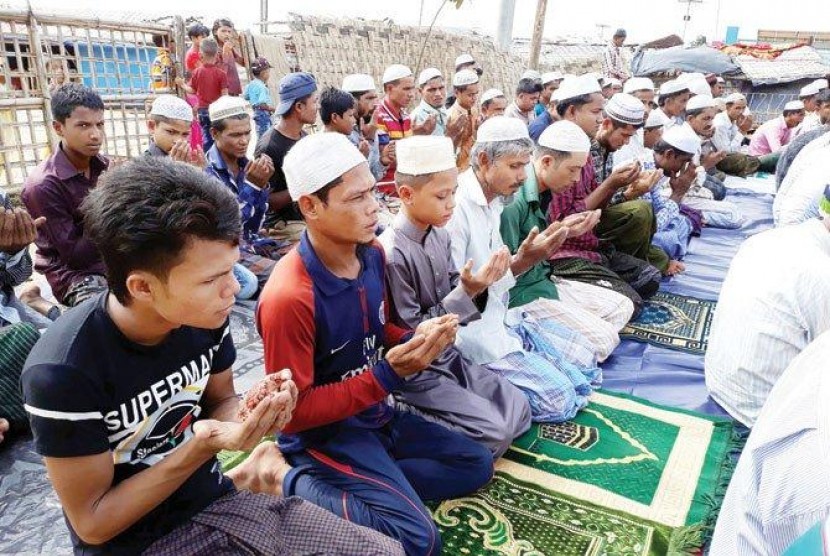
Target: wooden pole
36 48
538 31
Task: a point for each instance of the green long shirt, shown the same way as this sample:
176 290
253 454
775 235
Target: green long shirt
517 219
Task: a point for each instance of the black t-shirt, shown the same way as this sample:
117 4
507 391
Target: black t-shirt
89 390
276 145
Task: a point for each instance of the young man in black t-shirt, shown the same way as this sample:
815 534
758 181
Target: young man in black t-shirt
130 395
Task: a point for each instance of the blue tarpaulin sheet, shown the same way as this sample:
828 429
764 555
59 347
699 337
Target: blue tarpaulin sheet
702 59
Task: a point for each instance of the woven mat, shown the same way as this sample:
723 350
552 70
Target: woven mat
673 321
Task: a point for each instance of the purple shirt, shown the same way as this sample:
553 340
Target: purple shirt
55 189
229 65
770 137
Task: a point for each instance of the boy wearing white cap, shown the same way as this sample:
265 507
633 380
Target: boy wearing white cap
643 89
393 121
430 116
324 315
550 82
493 103
771 137
169 125
558 373
674 94
597 313
463 116
230 127
808 95
423 283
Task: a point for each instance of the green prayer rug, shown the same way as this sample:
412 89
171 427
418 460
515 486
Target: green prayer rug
625 476
673 321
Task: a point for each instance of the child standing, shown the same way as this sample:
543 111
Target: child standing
192 60
209 82
257 93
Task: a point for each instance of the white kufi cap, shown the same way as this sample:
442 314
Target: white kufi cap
699 102
566 137
172 107
227 106
490 94
317 160
682 138
464 77
532 74
464 59
673 86
699 87
809 90
551 76
428 74
424 154
358 83
626 109
656 118
822 83
735 97
502 128
575 87
638 84
395 72
794 105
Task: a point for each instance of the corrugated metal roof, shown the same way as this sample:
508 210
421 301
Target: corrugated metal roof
792 65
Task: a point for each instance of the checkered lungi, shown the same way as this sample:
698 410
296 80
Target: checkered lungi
245 523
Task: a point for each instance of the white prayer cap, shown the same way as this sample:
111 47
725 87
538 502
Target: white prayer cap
626 109
358 83
794 105
317 160
699 102
594 75
568 76
822 83
673 86
699 87
427 74
656 118
682 138
809 90
464 59
551 76
612 81
532 74
172 107
490 94
575 87
688 77
735 97
638 84
424 154
501 128
720 104
227 106
566 137
720 79
395 72
464 77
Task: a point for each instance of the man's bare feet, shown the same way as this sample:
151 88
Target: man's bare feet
675 267
4 428
30 295
263 471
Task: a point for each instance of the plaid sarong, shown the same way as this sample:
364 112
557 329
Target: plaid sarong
245 523
16 341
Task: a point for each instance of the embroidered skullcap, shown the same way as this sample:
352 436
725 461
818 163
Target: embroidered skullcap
638 84
172 107
626 109
502 128
735 97
809 90
424 154
698 102
566 137
490 94
656 118
673 86
551 76
395 72
226 107
464 77
532 74
575 87
824 202
427 74
358 83
682 138
317 160
794 105
464 59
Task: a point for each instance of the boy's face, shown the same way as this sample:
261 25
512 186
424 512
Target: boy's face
83 131
588 116
431 203
350 216
234 139
199 291
264 75
562 175
165 134
344 124
467 98
197 40
224 33
434 92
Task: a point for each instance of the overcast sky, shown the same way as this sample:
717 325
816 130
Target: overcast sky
644 19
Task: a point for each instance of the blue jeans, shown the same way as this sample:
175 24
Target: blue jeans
248 282
204 122
263 121
378 477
